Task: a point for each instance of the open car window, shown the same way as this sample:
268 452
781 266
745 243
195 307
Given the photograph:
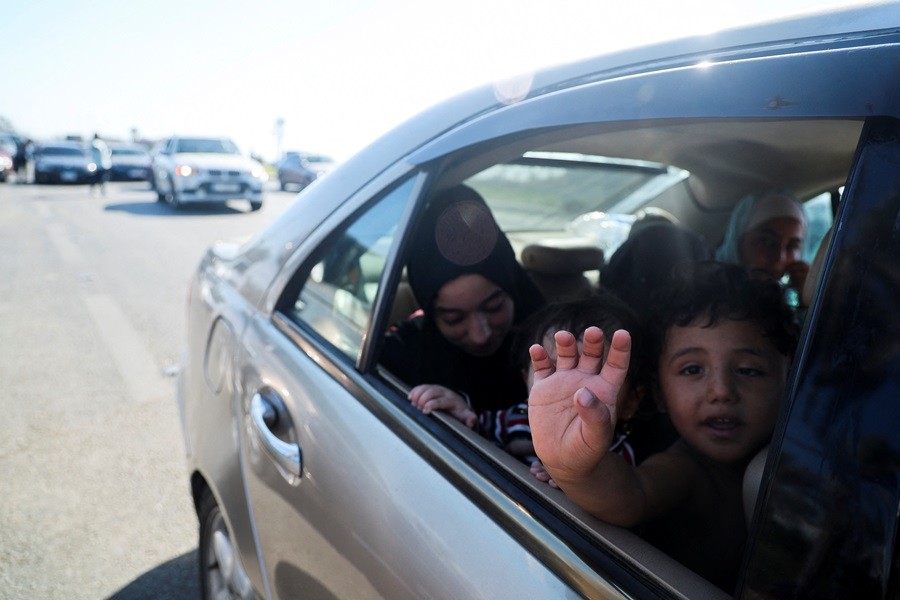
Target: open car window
581 194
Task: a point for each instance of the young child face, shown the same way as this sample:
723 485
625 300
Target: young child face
721 387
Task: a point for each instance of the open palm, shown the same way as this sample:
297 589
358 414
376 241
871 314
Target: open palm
572 405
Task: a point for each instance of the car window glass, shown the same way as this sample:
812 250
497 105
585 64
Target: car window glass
819 220
336 298
589 196
562 186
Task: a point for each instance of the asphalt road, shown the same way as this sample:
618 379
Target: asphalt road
94 495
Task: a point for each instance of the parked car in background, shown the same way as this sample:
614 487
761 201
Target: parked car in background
64 162
206 169
312 474
299 169
9 143
130 162
6 165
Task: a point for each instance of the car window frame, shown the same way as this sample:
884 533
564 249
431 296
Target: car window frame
284 303
795 69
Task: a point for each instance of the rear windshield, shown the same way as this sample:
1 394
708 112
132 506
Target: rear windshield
547 191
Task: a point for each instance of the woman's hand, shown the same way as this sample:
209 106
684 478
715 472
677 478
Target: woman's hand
797 273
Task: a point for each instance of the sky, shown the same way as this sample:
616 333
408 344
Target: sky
328 76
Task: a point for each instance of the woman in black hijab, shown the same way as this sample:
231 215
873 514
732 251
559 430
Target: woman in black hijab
472 291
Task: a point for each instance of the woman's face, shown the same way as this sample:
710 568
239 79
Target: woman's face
772 245
474 314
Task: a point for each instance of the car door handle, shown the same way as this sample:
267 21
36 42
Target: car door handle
287 457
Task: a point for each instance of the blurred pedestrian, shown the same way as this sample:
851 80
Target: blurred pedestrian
102 159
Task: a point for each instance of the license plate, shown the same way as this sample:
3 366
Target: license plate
68 176
226 188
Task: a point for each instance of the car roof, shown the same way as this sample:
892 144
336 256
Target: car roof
845 25
202 137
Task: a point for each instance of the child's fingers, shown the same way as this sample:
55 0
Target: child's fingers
597 419
591 350
566 350
540 361
416 393
539 472
615 369
429 397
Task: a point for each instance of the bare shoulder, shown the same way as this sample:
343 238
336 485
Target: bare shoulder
669 480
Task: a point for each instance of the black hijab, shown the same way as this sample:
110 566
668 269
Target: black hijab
457 236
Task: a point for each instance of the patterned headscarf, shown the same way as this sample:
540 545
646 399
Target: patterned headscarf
754 210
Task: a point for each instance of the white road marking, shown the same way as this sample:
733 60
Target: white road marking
143 380
68 251
135 363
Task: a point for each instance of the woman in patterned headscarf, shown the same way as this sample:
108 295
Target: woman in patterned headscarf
766 234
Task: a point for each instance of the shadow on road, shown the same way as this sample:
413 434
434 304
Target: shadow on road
160 209
176 579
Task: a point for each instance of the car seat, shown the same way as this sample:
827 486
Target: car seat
559 272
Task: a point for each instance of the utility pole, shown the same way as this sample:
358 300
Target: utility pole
279 136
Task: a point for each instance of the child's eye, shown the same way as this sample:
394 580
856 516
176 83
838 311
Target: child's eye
750 371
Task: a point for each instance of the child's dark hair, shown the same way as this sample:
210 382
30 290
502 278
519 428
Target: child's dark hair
711 292
600 308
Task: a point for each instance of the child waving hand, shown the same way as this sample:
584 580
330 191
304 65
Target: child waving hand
720 347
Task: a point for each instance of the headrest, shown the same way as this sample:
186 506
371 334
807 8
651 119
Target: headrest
557 260
815 270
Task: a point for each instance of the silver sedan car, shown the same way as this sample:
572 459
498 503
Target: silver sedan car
312 474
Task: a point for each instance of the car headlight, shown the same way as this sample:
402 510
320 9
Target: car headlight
91 167
258 172
186 170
